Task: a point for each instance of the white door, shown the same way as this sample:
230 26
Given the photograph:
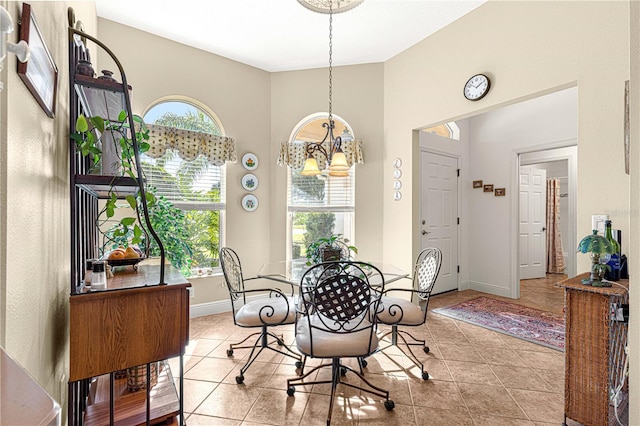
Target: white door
439 214
533 219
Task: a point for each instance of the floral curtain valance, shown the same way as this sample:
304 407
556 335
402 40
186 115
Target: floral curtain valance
190 144
294 154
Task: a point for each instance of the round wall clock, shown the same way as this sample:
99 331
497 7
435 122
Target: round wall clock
477 87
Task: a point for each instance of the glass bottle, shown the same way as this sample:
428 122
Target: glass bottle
88 271
99 276
614 261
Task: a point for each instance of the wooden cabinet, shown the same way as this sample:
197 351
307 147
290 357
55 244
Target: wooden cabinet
594 351
116 329
128 326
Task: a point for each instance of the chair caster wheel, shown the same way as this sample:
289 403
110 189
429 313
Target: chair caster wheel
343 371
229 352
425 376
291 390
298 364
240 379
389 405
280 342
364 363
426 349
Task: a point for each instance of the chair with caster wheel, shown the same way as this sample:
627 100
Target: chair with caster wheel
396 311
337 321
275 308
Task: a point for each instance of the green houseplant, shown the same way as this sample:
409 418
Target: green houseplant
88 139
167 221
333 247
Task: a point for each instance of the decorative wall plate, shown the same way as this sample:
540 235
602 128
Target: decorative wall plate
397 196
250 161
250 182
397 163
249 202
397 173
397 185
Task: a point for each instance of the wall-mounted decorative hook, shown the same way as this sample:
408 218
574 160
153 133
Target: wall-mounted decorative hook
21 49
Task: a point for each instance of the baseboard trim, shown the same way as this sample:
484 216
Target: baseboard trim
209 308
216 307
489 288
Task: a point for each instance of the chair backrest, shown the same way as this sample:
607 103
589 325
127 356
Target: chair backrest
232 270
426 271
341 299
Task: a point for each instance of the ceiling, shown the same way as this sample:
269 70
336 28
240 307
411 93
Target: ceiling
282 35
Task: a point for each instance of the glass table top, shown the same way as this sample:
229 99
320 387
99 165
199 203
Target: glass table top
291 271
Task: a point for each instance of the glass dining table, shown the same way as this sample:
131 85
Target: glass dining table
291 271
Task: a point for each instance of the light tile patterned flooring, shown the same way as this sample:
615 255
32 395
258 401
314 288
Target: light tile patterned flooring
478 376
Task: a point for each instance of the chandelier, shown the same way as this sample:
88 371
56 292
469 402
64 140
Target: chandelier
336 158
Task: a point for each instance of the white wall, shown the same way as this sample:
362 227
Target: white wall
494 138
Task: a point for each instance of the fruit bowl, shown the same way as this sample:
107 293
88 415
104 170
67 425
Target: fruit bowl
125 262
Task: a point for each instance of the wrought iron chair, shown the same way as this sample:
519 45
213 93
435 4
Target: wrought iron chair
395 311
276 308
338 321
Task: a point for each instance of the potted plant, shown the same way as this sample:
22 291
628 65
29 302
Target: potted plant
325 249
89 142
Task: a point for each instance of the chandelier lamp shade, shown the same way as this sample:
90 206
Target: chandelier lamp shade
336 158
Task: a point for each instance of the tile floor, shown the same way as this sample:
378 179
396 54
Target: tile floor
478 377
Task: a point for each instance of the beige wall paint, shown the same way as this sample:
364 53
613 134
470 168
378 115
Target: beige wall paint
35 213
550 45
240 97
634 253
358 99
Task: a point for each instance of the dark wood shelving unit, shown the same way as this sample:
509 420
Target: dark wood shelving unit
143 316
98 186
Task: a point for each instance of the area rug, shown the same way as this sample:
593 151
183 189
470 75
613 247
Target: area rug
533 325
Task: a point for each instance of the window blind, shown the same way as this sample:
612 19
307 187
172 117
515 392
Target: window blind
320 193
189 185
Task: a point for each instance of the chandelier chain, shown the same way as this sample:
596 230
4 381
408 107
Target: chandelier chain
330 58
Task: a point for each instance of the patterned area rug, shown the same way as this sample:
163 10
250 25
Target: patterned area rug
533 325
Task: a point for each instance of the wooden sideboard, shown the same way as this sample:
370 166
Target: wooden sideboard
131 324
594 350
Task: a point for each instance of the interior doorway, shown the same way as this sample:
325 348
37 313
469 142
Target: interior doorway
560 164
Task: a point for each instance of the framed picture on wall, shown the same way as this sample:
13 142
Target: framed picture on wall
488 187
477 184
500 192
39 73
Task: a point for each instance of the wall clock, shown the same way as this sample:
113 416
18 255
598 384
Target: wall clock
477 87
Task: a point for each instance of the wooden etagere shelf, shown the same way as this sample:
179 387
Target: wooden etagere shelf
143 315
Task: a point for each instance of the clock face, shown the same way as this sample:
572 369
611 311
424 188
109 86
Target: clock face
477 87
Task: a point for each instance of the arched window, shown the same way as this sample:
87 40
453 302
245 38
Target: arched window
318 206
448 130
185 165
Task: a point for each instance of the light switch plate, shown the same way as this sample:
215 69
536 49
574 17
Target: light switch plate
597 222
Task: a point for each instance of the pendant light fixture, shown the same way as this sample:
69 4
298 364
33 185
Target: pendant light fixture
338 166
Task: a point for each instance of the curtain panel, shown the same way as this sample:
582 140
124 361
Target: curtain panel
190 144
294 154
555 257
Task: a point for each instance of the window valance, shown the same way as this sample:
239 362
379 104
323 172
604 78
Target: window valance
294 154
190 144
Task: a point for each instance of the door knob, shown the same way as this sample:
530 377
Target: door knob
424 222
425 232
544 228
